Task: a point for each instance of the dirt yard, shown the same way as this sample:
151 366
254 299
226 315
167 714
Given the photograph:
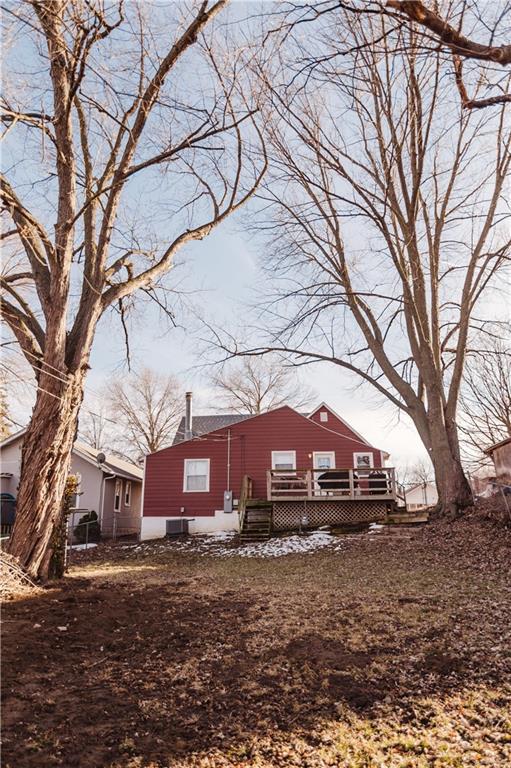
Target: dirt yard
379 651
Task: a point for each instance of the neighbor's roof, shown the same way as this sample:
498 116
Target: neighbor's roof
113 464
204 424
413 487
12 438
498 445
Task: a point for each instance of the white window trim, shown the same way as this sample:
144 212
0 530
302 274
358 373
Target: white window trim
363 453
275 453
322 453
127 493
118 484
323 416
185 475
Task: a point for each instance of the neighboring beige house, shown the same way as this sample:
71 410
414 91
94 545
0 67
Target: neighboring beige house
112 488
501 456
421 496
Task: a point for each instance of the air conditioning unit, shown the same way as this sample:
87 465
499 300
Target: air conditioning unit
177 527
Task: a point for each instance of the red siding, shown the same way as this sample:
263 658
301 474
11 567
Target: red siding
252 442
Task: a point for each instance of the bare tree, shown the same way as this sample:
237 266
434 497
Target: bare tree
389 224
147 407
421 473
485 403
452 37
115 144
96 427
438 27
255 385
18 387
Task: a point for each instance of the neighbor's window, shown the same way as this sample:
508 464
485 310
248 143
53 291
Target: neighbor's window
196 475
363 460
127 493
117 495
283 459
323 416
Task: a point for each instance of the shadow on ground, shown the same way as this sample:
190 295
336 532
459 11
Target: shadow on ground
127 673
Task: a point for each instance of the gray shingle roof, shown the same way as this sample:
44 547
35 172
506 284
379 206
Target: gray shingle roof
116 465
204 424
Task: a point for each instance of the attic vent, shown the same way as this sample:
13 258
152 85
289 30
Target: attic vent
323 416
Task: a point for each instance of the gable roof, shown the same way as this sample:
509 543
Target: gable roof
204 424
12 438
112 465
343 421
117 466
428 483
236 418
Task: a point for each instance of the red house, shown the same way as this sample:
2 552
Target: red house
281 469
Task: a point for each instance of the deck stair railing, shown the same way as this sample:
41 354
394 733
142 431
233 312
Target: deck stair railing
378 483
245 495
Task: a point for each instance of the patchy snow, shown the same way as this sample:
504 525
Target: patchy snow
226 544
376 528
90 545
286 545
221 535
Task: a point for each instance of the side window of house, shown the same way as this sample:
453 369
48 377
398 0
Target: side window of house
196 475
117 495
283 460
127 493
323 415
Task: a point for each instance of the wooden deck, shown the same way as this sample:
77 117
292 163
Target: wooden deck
349 484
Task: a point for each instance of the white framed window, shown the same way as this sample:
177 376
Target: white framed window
323 415
324 459
117 495
127 493
363 460
283 459
196 476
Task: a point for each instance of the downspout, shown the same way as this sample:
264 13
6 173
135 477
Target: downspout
102 495
142 501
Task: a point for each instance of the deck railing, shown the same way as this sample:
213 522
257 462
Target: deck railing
314 484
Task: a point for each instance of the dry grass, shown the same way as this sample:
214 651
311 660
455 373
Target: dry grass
14 583
387 653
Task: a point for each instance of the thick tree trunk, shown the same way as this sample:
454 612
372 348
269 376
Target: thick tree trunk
46 459
454 492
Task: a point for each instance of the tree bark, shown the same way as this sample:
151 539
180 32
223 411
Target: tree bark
46 458
441 441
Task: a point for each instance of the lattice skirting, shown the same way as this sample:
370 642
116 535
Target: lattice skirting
312 514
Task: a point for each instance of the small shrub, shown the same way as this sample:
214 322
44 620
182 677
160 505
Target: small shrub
80 530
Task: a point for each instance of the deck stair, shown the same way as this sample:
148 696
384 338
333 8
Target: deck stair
257 521
407 517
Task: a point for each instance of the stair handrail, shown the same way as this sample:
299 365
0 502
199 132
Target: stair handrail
245 494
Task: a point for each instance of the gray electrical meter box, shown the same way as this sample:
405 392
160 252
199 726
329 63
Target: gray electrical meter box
227 501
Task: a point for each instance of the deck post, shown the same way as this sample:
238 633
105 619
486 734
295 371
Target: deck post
393 481
309 484
268 484
352 484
